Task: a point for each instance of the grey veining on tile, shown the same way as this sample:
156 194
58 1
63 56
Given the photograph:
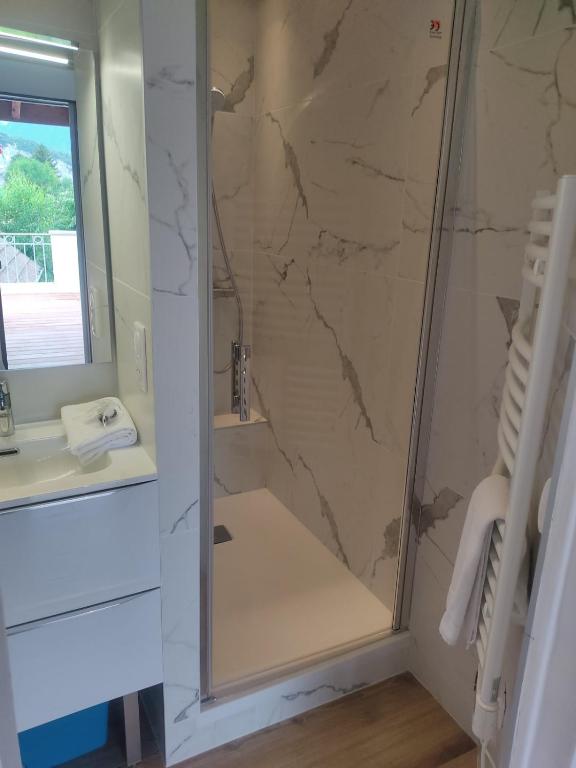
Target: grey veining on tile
170 77
330 43
180 226
325 687
270 423
125 164
349 372
391 546
291 163
509 309
183 520
438 509
240 87
184 713
433 76
327 514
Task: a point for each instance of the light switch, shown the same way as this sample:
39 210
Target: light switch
140 361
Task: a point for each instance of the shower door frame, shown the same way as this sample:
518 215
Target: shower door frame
459 65
449 161
203 107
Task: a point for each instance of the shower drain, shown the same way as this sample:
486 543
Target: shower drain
221 534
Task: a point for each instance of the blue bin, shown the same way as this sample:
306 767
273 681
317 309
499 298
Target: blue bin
65 739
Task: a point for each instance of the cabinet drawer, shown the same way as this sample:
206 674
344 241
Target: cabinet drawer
71 662
69 554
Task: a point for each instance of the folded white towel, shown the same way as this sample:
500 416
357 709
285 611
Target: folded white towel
488 503
96 427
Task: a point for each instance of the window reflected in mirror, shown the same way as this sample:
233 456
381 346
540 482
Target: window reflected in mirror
43 292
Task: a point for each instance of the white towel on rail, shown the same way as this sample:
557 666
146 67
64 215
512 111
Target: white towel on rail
488 503
94 428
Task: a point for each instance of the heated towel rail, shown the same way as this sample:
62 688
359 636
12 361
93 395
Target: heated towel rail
552 231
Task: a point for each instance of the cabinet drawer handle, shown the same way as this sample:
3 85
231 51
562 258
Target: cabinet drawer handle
20 629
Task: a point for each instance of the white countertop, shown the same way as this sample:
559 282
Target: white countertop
44 470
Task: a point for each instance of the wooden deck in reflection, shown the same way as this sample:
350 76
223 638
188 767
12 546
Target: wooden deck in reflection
43 329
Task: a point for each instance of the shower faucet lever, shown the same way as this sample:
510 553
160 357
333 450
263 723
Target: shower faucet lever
241 380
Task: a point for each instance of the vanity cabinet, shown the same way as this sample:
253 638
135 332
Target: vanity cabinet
80 582
68 554
71 662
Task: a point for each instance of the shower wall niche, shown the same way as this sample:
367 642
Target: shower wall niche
324 162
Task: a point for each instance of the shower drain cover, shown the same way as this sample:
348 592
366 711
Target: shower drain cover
221 534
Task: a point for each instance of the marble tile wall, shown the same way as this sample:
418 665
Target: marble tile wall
232 44
519 138
239 453
125 154
348 108
171 177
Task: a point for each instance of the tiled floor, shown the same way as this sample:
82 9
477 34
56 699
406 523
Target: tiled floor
281 598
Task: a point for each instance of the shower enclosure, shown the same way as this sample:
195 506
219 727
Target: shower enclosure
326 123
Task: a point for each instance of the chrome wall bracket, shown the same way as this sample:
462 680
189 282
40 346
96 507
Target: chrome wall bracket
241 380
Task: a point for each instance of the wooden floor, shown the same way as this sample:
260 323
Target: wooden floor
396 724
469 760
43 329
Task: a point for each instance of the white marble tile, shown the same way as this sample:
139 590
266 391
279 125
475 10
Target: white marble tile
518 139
232 173
428 74
240 455
336 351
470 376
334 167
130 307
169 65
505 22
417 217
233 29
447 672
335 333
306 48
180 632
124 143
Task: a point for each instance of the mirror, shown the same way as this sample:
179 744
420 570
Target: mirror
54 273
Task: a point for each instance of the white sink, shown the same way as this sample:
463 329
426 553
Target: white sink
35 465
